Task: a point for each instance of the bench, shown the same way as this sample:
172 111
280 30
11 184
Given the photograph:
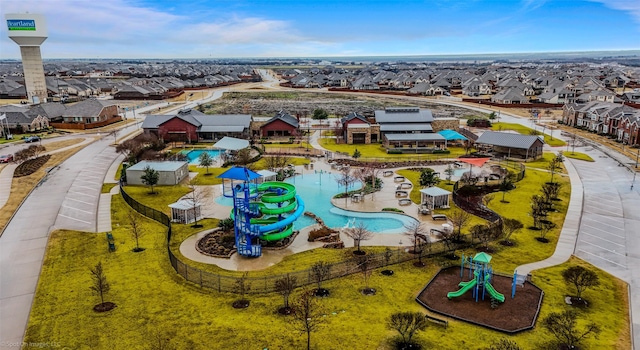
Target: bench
401 193
436 232
439 321
387 173
112 246
406 185
404 201
439 217
398 179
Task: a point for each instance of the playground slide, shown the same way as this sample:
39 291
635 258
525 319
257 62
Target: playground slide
493 292
467 287
275 211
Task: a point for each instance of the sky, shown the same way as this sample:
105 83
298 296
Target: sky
326 28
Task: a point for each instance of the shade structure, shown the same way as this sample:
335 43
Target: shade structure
482 257
451 135
231 143
435 197
474 161
239 173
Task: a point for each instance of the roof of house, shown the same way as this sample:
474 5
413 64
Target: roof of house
505 139
87 108
206 122
403 115
354 115
158 165
285 117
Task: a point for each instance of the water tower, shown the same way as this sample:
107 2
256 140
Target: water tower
30 31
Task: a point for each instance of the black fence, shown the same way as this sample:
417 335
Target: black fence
266 284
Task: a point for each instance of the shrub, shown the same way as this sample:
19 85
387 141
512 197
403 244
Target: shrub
394 151
30 166
318 233
441 151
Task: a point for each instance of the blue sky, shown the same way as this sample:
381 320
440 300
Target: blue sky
309 28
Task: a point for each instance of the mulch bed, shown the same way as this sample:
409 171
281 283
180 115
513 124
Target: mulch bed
514 315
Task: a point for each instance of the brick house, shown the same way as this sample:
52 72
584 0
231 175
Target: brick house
282 124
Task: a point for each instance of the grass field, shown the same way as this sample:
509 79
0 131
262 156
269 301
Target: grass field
579 156
554 142
153 303
377 151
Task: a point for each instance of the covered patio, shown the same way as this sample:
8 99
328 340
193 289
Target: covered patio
184 212
434 197
414 143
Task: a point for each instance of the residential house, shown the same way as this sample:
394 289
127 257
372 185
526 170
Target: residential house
91 111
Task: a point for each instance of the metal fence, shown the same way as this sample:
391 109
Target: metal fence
266 284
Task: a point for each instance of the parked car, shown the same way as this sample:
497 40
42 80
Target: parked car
32 139
6 158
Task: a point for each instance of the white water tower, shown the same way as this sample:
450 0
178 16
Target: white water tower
30 31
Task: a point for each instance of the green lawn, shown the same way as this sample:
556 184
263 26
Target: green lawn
106 188
153 301
378 151
551 141
579 156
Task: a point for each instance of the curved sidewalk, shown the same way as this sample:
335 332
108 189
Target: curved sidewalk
569 233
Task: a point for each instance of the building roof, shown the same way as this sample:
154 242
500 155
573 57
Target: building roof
354 115
403 115
414 137
505 139
206 122
406 127
231 143
158 165
285 117
435 191
239 173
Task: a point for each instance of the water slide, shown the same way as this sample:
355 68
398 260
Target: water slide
283 194
466 286
493 292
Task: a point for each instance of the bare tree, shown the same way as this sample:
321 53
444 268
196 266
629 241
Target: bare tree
346 179
581 279
285 286
320 271
358 233
563 326
364 264
417 233
114 132
459 218
307 315
196 197
136 229
242 287
555 164
538 210
545 227
509 227
100 284
276 162
243 158
407 324
449 173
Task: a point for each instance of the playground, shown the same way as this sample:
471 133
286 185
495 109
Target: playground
511 316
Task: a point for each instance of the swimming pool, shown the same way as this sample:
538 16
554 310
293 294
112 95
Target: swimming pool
316 190
193 155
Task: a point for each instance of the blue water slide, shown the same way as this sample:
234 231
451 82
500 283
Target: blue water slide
286 221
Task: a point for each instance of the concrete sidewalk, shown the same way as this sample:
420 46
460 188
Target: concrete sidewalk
569 233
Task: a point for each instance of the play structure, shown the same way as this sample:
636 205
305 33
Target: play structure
481 283
261 212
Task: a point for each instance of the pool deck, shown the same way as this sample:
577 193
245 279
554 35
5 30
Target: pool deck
385 198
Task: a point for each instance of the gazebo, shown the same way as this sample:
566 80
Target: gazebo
184 212
435 197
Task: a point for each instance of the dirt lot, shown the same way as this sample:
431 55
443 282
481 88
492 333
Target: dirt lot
266 104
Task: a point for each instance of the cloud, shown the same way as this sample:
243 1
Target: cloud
119 28
239 31
630 6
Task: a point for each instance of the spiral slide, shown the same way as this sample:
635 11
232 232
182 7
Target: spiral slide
277 198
